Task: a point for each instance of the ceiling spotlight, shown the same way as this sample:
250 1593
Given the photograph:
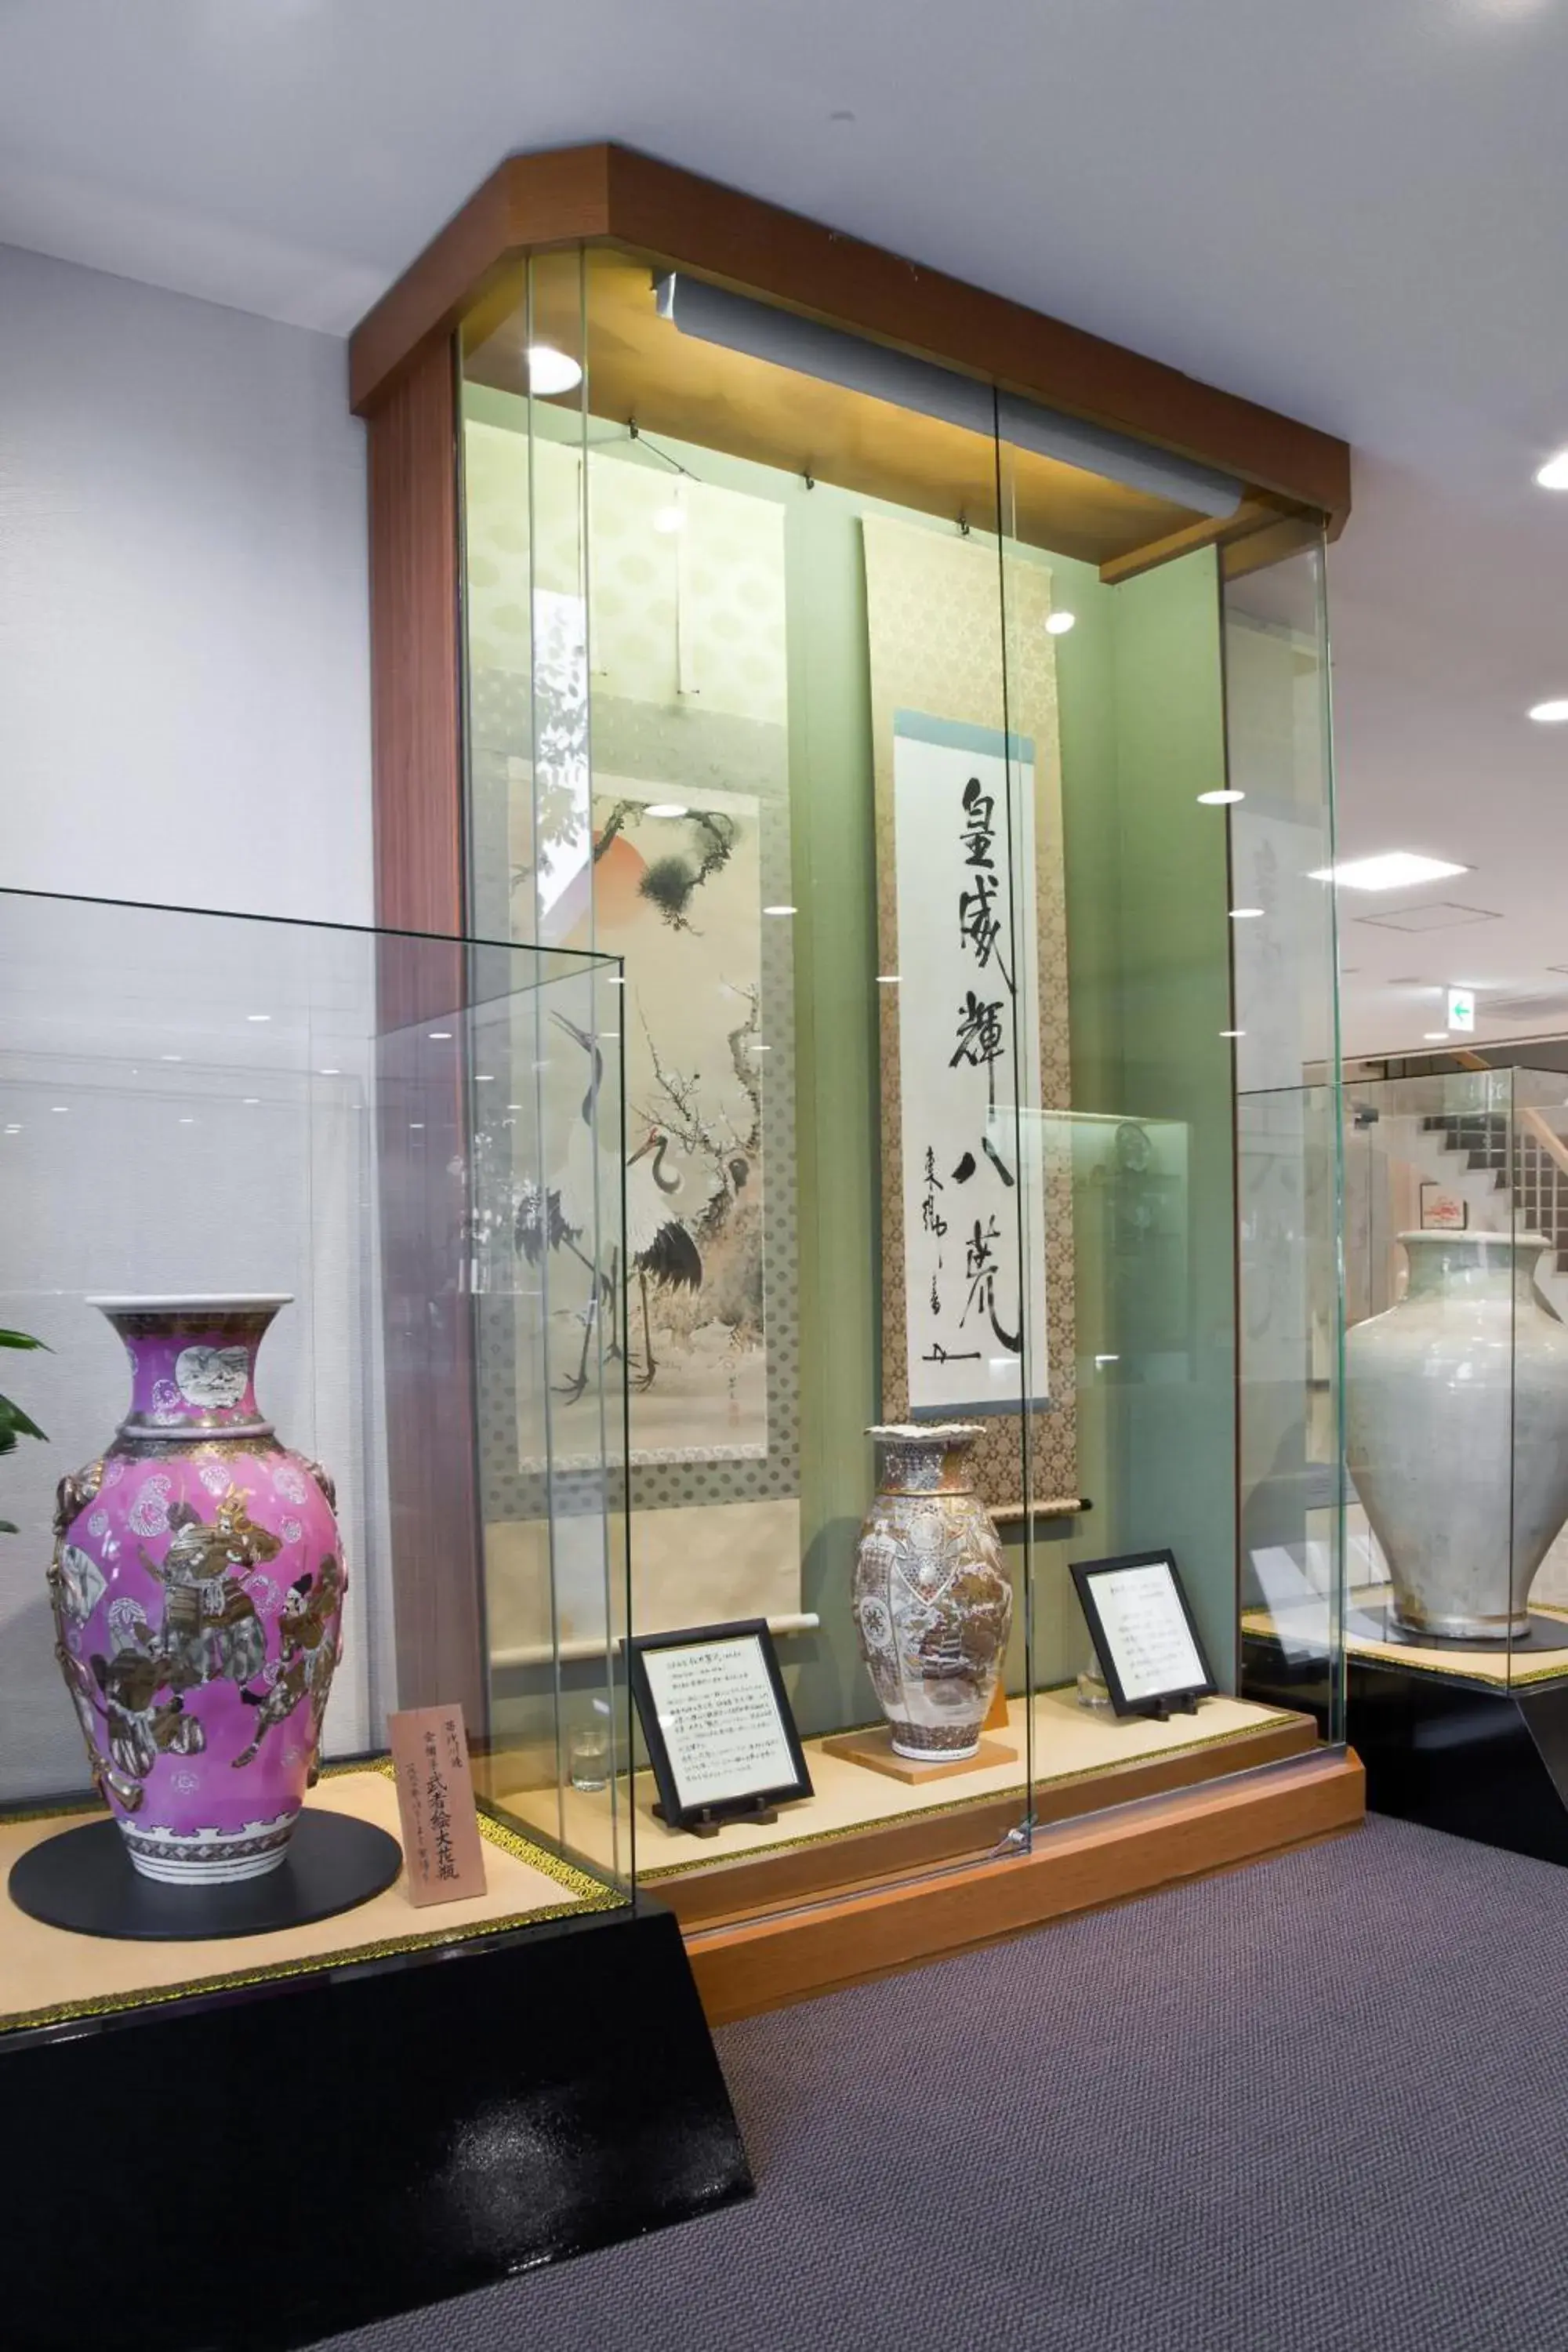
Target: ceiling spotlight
1244 914
669 520
1058 623
258 1016
665 808
1395 869
61 1108
551 372
1553 475
1549 714
439 1037
1220 799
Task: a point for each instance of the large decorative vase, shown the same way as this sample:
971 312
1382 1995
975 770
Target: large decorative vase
198 1588
932 1600
1457 1433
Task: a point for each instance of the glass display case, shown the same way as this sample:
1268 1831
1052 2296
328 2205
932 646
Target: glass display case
1455 1381
293 1505
951 779
317 1184
1457 1373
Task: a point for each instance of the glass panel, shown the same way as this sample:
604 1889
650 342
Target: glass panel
1281 824
376 1125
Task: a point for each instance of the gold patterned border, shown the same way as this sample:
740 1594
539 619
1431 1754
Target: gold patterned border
585 1892
935 625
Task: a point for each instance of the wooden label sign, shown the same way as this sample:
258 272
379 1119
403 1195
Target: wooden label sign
441 1842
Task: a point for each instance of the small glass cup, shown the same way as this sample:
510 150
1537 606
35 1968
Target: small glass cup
1092 1692
588 1756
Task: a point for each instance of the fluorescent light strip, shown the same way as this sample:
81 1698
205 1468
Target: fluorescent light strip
736 323
1395 869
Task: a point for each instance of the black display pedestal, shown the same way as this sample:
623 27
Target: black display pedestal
257 2168
1469 1758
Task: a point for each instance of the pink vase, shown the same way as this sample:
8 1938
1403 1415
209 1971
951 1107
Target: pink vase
198 1587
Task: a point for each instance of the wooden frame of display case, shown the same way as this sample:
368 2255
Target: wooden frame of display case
404 372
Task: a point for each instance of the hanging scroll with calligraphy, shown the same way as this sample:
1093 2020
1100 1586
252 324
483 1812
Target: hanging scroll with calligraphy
977 1274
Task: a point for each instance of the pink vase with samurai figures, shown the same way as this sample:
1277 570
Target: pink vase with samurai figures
198 1587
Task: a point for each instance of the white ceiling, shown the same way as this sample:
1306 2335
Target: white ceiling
1351 211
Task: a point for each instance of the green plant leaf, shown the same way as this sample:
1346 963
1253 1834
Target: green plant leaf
15 1423
23 1339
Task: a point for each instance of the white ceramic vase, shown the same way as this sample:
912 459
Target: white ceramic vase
1457 1433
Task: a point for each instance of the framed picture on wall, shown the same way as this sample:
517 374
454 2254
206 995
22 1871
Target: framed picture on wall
1443 1211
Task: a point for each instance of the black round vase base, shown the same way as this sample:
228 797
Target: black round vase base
1545 1634
84 1879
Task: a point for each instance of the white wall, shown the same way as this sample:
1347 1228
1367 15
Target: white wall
184 717
183 656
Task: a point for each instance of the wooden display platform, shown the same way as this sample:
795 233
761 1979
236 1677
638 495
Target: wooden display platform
49 1975
860 1878
876 1751
748 1965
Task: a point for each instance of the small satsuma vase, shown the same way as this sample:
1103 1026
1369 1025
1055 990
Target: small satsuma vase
198 1586
932 1600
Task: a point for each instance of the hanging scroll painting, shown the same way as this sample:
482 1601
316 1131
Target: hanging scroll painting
977 1275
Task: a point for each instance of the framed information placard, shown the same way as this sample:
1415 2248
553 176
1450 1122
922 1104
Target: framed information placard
721 1736
1143 1633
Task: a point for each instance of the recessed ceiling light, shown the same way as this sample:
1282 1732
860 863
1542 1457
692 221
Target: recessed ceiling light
187 1122
1058 623
1220 799
1553 475
1244 914
329 1074
1435 1036
668 521
61 1108
258 1016
667 808
249 1102
781 910
887 979
1549 714
484 1077
1394 869
1233 1032
551 371
439 1037
415 1127
514 1105
170 1057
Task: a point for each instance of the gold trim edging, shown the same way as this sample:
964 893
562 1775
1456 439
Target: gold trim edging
590 1894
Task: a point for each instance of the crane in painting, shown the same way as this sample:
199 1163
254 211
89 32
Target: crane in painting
660 1249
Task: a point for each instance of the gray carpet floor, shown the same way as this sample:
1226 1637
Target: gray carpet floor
1320 2105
